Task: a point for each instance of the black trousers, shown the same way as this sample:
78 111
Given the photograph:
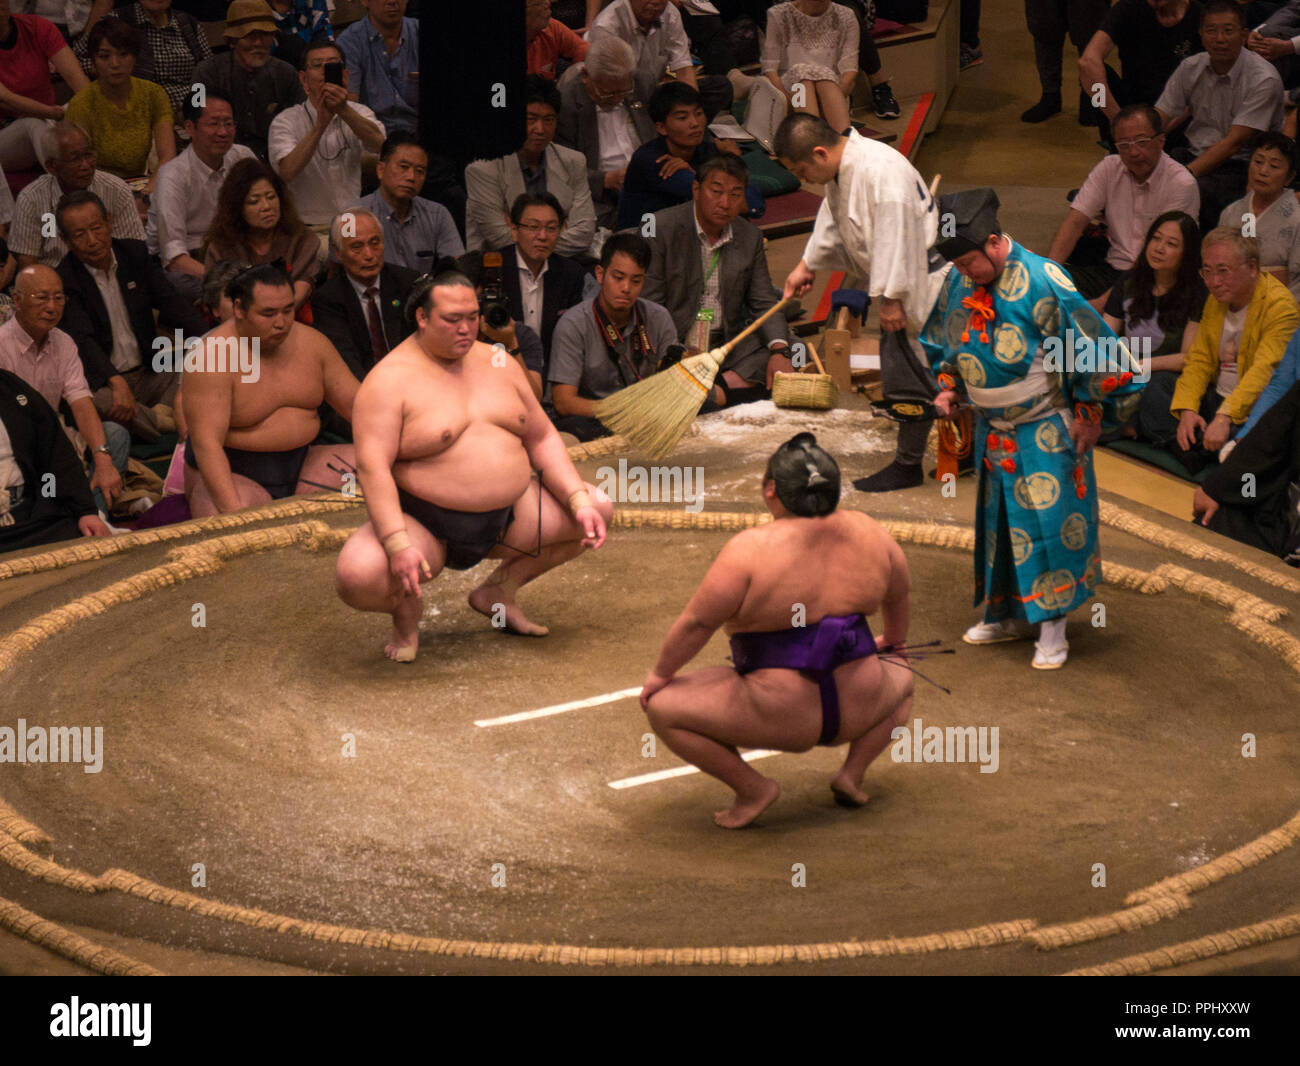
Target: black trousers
970 23
584 427
1049 21
1222 186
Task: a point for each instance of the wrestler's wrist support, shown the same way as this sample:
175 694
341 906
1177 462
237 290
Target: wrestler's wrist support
397 542
579 500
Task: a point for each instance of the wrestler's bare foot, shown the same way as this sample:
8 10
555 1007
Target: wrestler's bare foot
847 792
406 630
749 806
488 599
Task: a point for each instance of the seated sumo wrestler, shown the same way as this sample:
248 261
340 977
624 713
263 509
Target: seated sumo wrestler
251 428
822 682
448 435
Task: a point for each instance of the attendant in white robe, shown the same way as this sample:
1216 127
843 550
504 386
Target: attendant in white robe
877 223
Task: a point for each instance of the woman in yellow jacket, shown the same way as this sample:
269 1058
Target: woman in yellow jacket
1248 320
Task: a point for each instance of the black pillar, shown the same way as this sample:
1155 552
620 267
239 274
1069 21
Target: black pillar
472 58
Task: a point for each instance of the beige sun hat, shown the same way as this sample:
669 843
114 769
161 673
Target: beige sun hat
245 16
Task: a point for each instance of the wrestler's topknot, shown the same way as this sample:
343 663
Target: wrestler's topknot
807 479
445 272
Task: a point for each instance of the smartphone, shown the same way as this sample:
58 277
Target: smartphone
333 73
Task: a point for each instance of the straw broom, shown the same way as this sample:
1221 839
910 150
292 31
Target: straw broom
654 414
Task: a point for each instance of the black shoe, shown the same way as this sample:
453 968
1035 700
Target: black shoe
1048 106
895 476
883 102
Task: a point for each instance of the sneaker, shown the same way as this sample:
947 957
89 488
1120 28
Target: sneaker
1050 660
883 102
970 57
1048 106
994 632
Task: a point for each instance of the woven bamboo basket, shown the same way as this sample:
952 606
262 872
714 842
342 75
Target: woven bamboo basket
808 390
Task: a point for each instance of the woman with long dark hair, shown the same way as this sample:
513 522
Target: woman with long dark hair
255 221
1158 302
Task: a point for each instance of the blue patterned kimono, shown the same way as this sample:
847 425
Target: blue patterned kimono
1036 554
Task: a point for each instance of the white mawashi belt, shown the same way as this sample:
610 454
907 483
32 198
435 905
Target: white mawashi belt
1032 384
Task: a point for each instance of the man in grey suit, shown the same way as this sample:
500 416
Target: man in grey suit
603 116
539 166
1277 38
709 270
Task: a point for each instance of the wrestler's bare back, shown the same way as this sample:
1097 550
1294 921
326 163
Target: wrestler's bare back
796 572
461 443
840 564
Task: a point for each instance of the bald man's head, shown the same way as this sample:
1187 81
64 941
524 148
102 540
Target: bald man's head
38 301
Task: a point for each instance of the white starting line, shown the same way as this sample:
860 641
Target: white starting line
560 708
596 701
682 771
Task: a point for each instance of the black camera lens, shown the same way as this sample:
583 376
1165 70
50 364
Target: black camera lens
496 315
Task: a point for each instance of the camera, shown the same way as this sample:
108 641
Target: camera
492 305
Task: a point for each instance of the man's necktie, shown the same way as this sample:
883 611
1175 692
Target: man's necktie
378 346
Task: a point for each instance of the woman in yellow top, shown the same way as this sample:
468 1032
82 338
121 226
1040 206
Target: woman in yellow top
126 117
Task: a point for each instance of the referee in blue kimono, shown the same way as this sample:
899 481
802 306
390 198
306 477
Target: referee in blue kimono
1044 373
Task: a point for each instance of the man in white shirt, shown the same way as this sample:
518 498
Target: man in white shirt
33 347
69 156
1129 189
316 147
185 194
877 222
654 30
603 116
1230 94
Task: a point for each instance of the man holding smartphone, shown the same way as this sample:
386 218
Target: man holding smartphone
317 146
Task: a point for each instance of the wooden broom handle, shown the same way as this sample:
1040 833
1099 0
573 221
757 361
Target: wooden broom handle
813 352
726 349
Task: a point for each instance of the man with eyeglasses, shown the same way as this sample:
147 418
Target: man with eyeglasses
185 194
316 147
539 166
69 157
540 285
33 347
1230 93
602 115
1249 317
1129 190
